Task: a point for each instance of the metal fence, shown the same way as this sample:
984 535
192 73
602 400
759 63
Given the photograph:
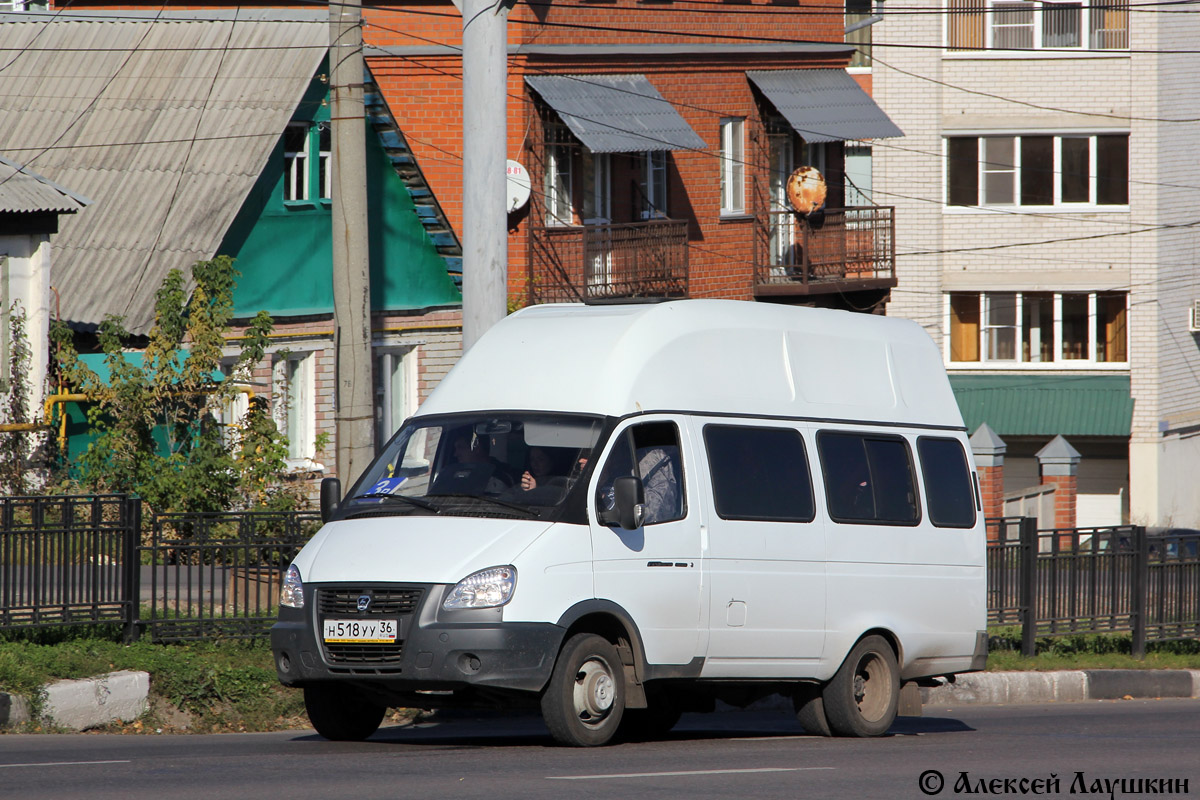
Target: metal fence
88 559
1092 580
218 575
72 560
65 560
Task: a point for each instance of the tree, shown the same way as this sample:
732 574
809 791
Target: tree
154 425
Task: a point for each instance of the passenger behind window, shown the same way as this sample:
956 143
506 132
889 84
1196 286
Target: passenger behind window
660 482
544 469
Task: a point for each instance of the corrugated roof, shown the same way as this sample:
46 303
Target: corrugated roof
1046 405
164 120
25 191
615 113
824 105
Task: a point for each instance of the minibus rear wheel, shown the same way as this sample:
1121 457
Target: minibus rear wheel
810 710
340 713
864 694
585 699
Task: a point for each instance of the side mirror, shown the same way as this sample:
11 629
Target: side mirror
331 497
629 510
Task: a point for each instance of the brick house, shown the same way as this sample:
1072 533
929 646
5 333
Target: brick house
657 142
1047 188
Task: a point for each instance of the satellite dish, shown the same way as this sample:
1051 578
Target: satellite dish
806 190
517 186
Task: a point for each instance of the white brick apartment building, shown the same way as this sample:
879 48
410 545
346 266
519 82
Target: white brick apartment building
1047 196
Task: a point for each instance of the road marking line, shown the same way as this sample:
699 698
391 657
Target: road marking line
65 764
679 774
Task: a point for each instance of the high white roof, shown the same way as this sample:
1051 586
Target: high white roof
713 356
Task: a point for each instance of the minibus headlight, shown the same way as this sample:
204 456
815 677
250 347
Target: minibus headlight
487 588
292 592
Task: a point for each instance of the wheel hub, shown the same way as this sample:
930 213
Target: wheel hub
594 692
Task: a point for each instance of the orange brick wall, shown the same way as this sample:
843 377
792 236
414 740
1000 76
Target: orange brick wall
1065 489
425 94
991 487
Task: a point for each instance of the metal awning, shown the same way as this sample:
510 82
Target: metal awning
824 105
1046 405
615 113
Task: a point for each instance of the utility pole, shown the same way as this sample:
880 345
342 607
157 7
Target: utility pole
355 413
485 141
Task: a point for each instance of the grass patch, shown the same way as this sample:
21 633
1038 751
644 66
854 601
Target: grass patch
1086 651
200 687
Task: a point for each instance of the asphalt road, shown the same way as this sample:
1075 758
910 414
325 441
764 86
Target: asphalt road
732 755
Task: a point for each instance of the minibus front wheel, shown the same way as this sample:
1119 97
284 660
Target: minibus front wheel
585 699
862 697
340 713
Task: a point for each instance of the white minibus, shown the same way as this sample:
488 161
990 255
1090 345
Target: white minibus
616 514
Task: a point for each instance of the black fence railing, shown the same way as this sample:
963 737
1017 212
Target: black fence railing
67 560
89 559
218 575
1092 580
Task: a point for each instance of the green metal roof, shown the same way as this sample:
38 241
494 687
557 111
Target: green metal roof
1046 405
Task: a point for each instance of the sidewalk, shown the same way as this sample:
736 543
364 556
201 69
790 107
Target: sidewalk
79 705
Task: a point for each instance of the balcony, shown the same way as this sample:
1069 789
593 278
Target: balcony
609 262
854 250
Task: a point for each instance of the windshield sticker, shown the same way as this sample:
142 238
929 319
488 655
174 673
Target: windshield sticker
386 486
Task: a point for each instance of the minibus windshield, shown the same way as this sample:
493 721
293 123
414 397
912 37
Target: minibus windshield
508 465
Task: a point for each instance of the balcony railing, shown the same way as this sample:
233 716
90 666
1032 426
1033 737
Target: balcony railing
854 248
595 263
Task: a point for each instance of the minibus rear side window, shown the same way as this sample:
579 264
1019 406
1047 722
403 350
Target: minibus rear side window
759 473
947 482
868 478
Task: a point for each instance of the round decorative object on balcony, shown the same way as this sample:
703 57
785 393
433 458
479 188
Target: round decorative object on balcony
806 190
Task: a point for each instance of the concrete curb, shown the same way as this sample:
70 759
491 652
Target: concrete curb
1062 687
89 703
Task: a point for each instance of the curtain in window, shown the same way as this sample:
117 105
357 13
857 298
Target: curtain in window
965 25
964 327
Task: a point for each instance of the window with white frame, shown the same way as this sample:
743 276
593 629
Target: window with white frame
1033 25
23 5
733 165
1066 170
858 175
295 404
652 183
306 178
557 179
1057 329
395 381
857 13
231 413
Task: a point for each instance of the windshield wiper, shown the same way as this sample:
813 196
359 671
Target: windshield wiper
416 501
533 512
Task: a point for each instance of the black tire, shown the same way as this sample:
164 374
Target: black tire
340 713
585 700
862 698
810 711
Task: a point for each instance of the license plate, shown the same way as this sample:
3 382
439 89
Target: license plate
377 631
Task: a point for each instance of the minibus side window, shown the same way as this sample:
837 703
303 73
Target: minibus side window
948 490
868 478
658 464
759 473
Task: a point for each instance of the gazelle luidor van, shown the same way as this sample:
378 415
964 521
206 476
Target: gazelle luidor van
621 513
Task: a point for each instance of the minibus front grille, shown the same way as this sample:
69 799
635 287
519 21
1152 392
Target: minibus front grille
384 602
343 653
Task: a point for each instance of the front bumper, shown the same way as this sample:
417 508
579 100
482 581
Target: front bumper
436 650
